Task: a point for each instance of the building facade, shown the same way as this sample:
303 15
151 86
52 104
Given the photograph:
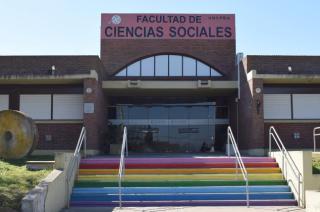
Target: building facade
174 80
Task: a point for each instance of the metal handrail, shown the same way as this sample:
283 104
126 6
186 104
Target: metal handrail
124 150
286 155
75 160
315 134
238 161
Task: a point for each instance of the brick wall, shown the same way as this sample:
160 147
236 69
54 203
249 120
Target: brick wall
95 123
279 64
220 54
64 136
251 120
286 130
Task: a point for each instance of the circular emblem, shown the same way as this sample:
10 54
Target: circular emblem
116 19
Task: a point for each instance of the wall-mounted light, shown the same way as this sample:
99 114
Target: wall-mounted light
89 90
258 105
258 90
53 69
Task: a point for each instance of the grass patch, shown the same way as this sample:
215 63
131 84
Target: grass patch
16 180
316 165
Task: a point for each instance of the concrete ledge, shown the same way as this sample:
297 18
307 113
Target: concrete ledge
292 121
48 79
59 121
52 193
313 201
285 78
165 85
53 152
39 165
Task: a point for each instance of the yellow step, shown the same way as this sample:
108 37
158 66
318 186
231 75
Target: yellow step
152 177
177 171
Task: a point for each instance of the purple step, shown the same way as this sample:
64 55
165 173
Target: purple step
154 160
186 203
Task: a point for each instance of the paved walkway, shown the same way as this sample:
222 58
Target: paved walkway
191 209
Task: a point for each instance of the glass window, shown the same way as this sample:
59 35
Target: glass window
175 65
162 65
222 112
189 66
203 69
214 73
178 112
168 65
112 112
123 112
133 70
158 112
147 67
198 112
138 112
122 73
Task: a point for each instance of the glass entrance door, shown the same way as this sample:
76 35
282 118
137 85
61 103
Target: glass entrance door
169 128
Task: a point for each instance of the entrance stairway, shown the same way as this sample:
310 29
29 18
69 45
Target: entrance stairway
177 181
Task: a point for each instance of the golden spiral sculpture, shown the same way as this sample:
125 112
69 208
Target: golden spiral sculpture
18 134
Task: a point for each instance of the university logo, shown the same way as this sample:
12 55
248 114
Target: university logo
116 19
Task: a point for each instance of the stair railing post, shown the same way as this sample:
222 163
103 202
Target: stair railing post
228 144
270 142
237 170
247 191
299 190
85 144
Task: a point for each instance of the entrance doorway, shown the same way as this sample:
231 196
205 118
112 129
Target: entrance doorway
168 128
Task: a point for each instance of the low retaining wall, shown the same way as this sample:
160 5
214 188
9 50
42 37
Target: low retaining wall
313 201
52 193
303 161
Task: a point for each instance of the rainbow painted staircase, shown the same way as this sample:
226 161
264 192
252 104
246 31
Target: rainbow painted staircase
180 181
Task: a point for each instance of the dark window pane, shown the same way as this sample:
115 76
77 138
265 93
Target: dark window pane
198 112
158 112
222 112
112 112
137 112
178 112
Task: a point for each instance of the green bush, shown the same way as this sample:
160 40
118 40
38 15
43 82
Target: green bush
16 181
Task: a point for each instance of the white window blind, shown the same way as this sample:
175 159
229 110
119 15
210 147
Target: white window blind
277 106
67 106
4 102
306 106
36 106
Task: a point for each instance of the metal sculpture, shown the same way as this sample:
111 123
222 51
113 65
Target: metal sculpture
18 134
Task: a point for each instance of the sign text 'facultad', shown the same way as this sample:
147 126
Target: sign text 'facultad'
167 26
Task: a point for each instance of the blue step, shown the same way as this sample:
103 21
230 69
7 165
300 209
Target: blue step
174 197
178 190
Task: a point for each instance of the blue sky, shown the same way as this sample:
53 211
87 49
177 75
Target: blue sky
67 27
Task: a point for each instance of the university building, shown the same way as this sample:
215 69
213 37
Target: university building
176 82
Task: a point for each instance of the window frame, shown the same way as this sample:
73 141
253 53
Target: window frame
124 72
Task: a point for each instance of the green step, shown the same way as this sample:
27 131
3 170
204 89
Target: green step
83 184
